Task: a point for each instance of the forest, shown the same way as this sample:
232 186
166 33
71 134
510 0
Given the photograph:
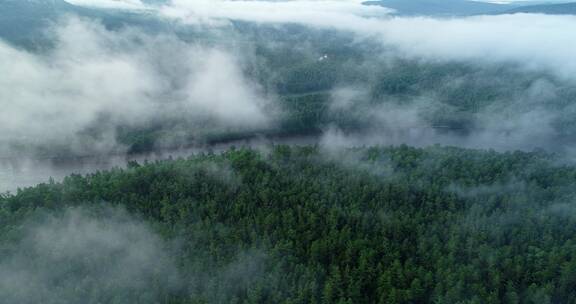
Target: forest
299 71
294 151
307 225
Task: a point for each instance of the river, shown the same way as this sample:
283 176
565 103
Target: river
26 172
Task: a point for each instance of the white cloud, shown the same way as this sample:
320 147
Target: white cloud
95 77
220 83
86 76
531 40
320 12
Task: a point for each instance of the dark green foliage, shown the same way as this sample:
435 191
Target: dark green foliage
379 225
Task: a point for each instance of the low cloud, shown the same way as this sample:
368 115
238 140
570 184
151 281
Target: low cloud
325 13
99 79
425 121
86 256
530 40
94 80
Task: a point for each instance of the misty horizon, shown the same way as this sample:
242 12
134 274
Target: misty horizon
298 151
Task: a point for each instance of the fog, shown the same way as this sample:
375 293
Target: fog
521 123
124 81
22 172
99 79
95 79
531 40
104 254
74 97
86 256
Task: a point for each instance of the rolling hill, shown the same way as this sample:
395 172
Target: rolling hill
550 9
440 7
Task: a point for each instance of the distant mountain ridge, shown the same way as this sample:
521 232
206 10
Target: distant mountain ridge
470 8
551 9
38 4
441 7
21 20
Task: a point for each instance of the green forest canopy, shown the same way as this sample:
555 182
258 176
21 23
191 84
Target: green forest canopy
370 225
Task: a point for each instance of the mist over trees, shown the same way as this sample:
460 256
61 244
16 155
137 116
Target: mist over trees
141 80
302 225
219 151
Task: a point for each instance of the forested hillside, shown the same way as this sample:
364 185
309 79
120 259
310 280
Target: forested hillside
288 79
441 8
552 9
300 225
394 151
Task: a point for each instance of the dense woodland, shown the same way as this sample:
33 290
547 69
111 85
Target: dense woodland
299 68
455 97
369 225
288 224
